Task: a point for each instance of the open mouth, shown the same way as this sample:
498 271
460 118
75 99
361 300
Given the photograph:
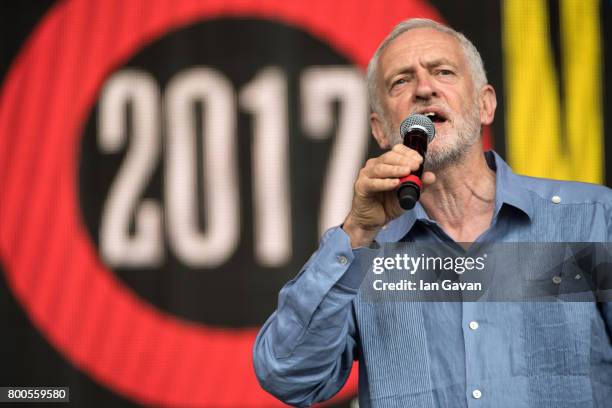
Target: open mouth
435 117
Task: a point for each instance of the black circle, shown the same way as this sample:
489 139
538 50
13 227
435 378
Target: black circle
241 292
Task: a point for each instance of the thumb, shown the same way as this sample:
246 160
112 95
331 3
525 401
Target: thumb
428 178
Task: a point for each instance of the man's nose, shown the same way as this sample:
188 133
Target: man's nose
425 89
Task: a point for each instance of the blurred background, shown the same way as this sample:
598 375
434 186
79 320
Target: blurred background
166 166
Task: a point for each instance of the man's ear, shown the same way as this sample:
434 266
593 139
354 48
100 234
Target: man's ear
487 104
378 130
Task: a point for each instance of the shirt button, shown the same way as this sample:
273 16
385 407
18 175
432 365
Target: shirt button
556 199
343 260
556 280
476 394
473 325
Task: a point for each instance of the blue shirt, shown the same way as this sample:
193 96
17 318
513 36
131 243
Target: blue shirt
447 354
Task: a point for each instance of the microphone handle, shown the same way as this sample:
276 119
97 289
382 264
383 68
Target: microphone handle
409 190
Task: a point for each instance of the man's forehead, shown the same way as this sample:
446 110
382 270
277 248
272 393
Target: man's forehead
427 43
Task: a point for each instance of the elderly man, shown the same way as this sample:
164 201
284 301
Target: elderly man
440 354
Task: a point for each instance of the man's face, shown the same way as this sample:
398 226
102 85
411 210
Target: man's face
425 71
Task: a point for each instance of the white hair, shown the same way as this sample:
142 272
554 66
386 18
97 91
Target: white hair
471 53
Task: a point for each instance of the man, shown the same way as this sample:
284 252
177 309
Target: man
440 354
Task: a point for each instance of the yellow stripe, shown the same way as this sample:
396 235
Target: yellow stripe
581 46
535 145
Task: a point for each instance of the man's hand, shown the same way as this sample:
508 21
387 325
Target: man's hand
374 201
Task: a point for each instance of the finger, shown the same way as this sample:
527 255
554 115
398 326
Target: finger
404 158
403 150
383 170
368 186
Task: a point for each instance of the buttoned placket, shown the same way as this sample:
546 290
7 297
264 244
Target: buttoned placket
472 328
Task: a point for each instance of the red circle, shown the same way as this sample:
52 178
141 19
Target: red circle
52 266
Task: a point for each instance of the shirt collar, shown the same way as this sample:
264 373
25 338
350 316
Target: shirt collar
509 187
509 190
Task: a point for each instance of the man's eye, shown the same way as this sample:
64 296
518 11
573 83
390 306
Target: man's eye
445 72
399 81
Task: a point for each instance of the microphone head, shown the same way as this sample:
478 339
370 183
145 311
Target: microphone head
418 122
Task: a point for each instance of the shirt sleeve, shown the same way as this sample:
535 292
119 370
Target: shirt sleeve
304 352
606 306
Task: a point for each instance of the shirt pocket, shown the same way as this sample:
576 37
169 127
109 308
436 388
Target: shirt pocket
559 337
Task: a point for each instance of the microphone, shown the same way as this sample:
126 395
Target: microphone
417 131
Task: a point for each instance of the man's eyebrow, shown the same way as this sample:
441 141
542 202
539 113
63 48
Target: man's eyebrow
440 61
410 70
400 71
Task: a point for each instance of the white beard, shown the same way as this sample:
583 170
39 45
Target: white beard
450 147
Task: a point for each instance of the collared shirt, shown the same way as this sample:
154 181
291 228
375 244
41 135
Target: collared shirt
447 354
